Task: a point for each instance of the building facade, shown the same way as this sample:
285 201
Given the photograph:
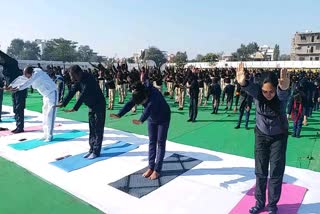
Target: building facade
305 46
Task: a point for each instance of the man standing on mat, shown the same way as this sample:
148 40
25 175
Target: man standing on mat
157 111
91 95
11 71
41 81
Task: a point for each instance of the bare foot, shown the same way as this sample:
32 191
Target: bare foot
147 173
154 175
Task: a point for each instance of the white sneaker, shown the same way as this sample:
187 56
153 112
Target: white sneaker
43 138
48 139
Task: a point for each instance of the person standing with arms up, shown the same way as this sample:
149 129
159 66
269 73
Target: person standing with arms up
271 135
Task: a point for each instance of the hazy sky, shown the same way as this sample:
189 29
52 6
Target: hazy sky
122 27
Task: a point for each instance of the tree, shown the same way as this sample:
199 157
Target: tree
153 53
252 48
180 59
210 57
15 49
199 58
284 57
276 52
243 53
130 60
85 53
60 50
31 51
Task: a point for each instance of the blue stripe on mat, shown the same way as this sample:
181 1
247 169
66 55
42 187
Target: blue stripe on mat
77 161
31 144
11 119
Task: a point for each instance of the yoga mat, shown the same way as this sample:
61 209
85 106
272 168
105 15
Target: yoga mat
290 201
138 186
11 119
31 144
26 129
75 162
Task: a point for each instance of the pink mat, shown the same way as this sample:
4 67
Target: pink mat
27 129
290 201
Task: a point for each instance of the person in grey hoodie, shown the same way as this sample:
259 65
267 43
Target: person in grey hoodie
271 135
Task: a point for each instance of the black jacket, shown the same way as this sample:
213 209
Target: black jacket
90 94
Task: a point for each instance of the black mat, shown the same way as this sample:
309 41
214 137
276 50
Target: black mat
138 186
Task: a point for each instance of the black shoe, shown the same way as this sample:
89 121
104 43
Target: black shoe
3 129
226 108
16 131
293 135
213 112
256 209
247 128
237 127
189 120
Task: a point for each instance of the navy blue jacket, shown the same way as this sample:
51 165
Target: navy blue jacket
267 121
156 109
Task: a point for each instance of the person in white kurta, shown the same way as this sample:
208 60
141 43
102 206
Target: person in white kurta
41 81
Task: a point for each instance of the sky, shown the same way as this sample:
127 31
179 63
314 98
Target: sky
119 28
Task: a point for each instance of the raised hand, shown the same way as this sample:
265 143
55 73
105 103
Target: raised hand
241 77
284 81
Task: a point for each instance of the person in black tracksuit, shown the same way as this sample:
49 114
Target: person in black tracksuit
271 135
245 106
237 96
91 95
229 90
215 91
194 95
11 71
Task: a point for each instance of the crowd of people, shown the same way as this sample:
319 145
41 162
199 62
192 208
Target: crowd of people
277 95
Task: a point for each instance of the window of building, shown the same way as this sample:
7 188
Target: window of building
301 58
312 39
318 47
318 37
303 37
316 58
311 50
311 58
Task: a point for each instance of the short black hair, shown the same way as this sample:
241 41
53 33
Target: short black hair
139 93
29 69
75 69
